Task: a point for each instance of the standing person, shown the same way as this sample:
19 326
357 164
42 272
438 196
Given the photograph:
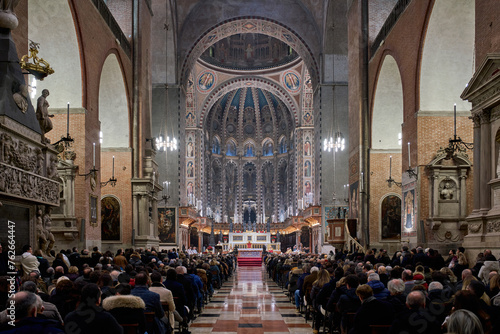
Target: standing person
29 262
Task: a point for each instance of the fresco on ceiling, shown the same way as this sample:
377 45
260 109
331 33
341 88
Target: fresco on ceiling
291 81
249 51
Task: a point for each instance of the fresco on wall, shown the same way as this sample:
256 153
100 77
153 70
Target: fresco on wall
206 81
291 81
409 210
307 148
391 217
249 150
190 149
353 200
166 225
190 169
231 149
307 168
110 219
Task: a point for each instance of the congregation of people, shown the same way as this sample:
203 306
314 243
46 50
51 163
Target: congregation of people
412 291
130 291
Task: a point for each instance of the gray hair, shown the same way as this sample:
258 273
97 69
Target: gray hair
464 322
373 277
435 286
313 269
396 286
24 302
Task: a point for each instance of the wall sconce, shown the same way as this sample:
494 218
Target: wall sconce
390 180
93 171
112 180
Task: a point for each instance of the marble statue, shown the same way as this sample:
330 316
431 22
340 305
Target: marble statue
447 192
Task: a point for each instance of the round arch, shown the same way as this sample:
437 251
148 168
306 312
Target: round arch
245 82
60 47
113 105
250 24
387 114
447 51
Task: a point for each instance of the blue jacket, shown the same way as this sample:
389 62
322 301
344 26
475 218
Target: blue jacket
379 289
150 298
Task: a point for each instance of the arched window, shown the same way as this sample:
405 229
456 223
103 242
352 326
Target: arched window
267 148
216 145
283 146
231 149
249 150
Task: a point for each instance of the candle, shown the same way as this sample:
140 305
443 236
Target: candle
93 155
67 122
455 119
113 168
409 161
390 166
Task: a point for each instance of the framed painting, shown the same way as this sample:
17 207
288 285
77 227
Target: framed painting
167 225
110 219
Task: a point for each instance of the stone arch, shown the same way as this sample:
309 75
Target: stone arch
59 45
447 51
387 115
113 102
249 81
111 222
253 24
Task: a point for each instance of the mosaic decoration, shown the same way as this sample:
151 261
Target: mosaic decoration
110 219
206 81
254 25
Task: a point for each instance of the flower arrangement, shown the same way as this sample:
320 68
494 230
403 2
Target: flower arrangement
209 248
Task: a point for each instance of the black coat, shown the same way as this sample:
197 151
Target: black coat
372 312
415 322
102 321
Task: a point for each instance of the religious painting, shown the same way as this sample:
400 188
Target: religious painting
190 169
307 188
409 210
110 219
189 188
167 219
307 168
307 148
353 200
190 149
216 146
93 210
206 81
391 217
291 81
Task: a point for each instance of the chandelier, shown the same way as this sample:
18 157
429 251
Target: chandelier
334 144
163 145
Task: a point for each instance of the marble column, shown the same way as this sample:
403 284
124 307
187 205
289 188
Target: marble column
485 168
477 165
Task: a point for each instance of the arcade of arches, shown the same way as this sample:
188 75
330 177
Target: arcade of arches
286 115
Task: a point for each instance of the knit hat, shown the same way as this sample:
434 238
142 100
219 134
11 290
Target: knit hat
419 279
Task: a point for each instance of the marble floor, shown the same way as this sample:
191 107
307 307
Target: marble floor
250 302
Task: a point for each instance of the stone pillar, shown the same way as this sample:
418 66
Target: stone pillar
485 168
477 165
297 237
200 241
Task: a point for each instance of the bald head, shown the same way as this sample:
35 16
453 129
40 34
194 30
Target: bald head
466 273
25 303
415 300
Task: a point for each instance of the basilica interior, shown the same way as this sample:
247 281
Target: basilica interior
315 125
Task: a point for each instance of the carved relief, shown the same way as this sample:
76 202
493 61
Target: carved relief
493 226
16 182
447 236
21 155
475 228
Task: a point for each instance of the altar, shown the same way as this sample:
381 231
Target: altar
253 240
249 257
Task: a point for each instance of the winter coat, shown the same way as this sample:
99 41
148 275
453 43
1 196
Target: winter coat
485 270
29 263
379 289
126 309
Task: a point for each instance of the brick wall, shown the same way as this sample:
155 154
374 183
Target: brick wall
487 25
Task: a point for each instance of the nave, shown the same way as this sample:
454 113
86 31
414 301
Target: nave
250 302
